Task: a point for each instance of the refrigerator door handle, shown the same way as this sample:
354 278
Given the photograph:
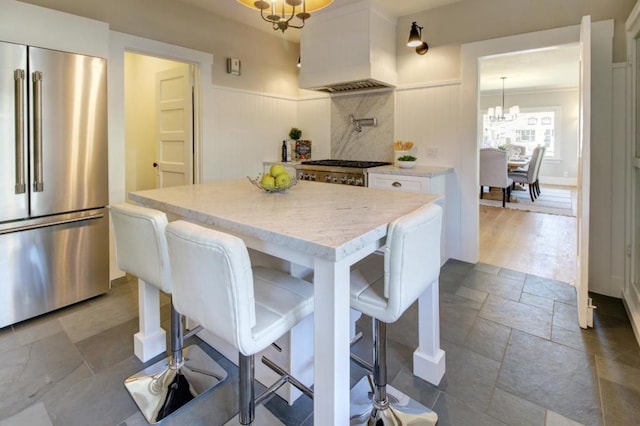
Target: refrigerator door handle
47 222
38 184
19 118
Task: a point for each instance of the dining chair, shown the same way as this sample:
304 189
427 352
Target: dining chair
538 167
494 172
166 386
249 308
384 287
529 176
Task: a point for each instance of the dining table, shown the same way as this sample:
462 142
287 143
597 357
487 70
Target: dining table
325 228
517 162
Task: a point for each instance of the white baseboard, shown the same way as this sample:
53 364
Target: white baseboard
554 180
631 300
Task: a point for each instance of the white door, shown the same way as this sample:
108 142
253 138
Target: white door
632 290
585 311
174 147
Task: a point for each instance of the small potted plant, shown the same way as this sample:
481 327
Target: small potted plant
407 161
295 133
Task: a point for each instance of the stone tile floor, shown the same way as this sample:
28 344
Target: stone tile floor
514 354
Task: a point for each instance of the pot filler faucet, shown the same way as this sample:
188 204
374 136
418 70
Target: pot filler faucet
359 122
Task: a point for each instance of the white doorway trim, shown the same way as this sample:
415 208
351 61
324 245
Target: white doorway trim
203 106
469 120
631 291
119 43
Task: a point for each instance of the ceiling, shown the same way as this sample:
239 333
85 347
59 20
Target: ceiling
550 68
233 10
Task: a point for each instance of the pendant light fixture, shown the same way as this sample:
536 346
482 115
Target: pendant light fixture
279 13
498 113
415 39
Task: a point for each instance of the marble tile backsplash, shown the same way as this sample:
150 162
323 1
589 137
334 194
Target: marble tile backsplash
371 143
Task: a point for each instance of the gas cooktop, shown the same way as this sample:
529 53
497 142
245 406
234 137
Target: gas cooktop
345 163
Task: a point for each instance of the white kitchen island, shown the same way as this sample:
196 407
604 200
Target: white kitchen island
320 226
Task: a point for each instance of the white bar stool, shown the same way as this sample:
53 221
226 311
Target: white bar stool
166 386
248 308
383 287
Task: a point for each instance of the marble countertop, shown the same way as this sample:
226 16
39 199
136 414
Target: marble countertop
285 163
425 171
322 220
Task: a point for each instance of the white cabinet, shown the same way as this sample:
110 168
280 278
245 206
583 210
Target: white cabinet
348 44
421 179
422 184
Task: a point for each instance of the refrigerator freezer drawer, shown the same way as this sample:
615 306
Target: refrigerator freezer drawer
43 268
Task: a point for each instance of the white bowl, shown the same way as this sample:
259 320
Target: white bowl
406 164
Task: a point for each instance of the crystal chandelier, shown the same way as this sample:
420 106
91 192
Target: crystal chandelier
498 113
279 13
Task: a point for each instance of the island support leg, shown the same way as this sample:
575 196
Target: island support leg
429 359
151 339
331 343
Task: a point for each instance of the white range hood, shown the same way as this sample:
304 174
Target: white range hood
347 49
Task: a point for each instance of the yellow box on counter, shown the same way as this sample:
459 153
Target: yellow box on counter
302 150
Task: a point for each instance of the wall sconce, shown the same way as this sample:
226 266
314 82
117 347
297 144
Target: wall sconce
415 39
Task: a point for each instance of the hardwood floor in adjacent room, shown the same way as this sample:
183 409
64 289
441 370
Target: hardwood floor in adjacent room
535 243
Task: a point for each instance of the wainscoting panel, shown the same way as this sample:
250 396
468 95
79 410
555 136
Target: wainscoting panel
314 119
249 129
429 116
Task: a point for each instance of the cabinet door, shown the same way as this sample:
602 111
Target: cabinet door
418 184
68 140
14 200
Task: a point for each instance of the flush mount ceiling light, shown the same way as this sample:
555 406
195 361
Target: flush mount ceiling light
497 113
279 13
415 39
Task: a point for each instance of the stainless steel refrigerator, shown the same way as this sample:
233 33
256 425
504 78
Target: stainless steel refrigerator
54 243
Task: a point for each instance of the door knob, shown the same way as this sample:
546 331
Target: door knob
155 164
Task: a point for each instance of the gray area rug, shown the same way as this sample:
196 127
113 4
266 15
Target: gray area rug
552 200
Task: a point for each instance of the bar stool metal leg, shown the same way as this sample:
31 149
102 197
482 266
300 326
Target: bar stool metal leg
247 389
389 409
168 385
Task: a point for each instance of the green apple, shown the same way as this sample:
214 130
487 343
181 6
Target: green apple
268 182
283 180
276 170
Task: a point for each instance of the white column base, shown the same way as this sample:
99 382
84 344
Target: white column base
146 347
428 359
151 339
429 368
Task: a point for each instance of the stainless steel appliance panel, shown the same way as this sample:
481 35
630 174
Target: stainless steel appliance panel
68 141
45 266
14 197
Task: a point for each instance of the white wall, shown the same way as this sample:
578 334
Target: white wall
36 26
268 60
314 119
250 128
429 116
